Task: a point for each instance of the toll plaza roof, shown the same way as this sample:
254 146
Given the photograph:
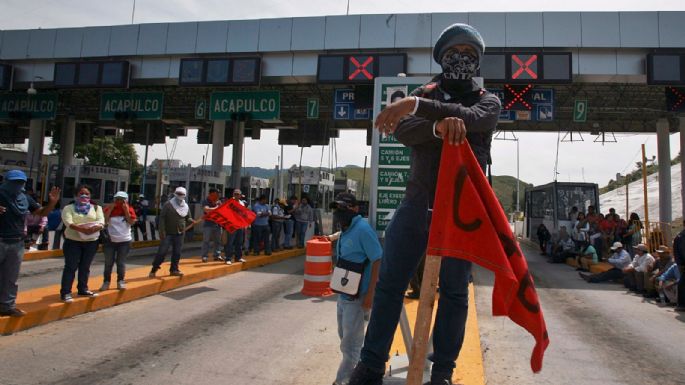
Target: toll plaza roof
607 54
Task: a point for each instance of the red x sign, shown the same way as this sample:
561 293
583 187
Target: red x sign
360 71
525 67
517 97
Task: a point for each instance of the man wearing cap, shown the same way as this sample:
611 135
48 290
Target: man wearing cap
661 265
679 253
211 231
449 110
638 271
14 207
620 259
357 243
235 240
173 220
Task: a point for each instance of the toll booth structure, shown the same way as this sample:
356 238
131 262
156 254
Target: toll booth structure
253 187
346 185
103 181
318 186
550 204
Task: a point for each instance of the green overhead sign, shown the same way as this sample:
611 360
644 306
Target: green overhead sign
259 105
138 105
42 106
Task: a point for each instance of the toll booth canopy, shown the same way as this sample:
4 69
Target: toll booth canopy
551 204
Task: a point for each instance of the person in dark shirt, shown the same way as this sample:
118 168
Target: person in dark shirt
449 110
15 205
679 253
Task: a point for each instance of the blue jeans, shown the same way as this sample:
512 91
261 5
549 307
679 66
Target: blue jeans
175 241
11 254
301 230
351 333
276 229
77 256
211 235
406 239
288 226
260 234
234 245
115 252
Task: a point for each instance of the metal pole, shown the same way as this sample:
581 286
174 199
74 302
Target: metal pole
627 208
147 145
280 178
364 177
644 189
518 181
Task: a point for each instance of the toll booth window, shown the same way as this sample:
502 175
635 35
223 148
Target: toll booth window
114 74
95 186
391 65
245 70
69 187
330 68
493 67
666 69
217 71
557 67
5 76
88 74
65 74
109 191
191 71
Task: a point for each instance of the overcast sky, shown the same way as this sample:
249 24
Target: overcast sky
578 161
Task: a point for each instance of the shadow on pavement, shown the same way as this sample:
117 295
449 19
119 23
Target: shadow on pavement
182 294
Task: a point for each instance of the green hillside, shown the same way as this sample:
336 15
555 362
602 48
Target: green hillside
505 189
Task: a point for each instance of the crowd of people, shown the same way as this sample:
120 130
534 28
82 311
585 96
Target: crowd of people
595 238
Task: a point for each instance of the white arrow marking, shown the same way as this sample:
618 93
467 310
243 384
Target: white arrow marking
342 112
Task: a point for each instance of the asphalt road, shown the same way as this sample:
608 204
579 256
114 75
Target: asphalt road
252 327
599 333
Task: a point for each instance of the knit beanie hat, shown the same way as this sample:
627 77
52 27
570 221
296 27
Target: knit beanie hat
458 33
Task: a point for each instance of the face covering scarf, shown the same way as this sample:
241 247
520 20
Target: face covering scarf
458 66
12 193
179 204
82 205
344 217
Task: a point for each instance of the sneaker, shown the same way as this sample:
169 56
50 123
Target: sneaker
228 262
242 260
363 375
219 258
121 285
153 273
204 259
14 312
438 378
105 286
176 273
66 298
87 293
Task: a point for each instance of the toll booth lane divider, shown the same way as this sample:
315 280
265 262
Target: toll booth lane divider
43 305
46 254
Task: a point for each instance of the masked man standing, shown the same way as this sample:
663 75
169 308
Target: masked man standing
173 220
450 109
14 206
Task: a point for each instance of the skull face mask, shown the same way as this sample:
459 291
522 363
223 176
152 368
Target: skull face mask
458 65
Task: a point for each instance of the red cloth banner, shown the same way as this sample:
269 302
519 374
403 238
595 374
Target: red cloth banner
469 223
231 216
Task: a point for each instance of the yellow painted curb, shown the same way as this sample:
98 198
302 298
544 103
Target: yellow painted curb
470 370
43 304
46 254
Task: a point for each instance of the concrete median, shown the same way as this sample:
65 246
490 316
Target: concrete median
43 304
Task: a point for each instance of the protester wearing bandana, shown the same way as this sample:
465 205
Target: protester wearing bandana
173 221
14 207
449 110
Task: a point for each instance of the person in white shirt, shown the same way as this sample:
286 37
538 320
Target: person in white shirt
638 270
119 216
619 260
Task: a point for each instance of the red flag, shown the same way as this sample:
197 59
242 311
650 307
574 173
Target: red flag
468 223
231 216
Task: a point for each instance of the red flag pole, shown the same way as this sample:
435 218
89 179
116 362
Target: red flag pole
424 318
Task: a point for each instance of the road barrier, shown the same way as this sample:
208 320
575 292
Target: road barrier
317 268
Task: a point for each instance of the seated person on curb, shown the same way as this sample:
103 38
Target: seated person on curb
563 248
668 285
587 256
637 272
543 238
357 243
619 260
661 265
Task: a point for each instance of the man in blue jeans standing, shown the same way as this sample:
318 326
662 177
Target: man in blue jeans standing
450 109
14 206
260 226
